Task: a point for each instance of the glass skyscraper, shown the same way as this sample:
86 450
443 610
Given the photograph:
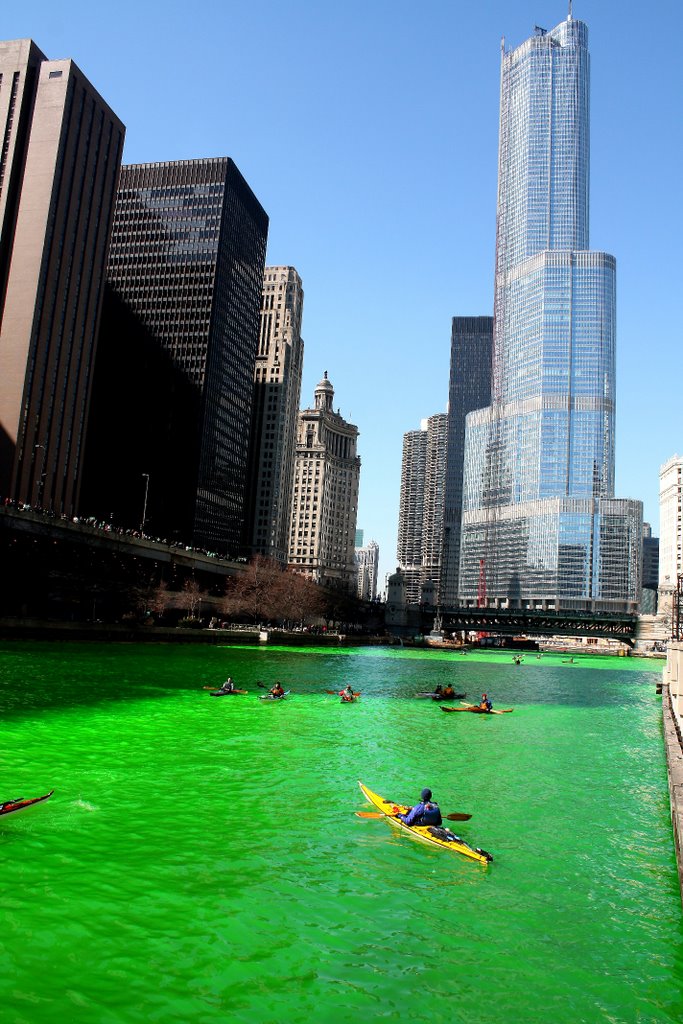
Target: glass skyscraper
540 526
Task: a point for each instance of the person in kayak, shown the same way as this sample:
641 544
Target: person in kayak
485 704
425 813
347 693
448 692
228 686
277 690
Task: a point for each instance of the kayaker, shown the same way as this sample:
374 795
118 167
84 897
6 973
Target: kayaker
277 690
485 704
425 813
228 686
448 692
347 693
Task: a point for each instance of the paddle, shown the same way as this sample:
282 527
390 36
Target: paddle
378 814
338 693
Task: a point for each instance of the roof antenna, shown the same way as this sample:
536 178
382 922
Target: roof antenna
569 17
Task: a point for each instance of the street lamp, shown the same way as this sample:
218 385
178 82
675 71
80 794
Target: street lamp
144 504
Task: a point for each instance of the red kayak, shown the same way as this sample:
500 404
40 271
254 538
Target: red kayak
481 711
18 805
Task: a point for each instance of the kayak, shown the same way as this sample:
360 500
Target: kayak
271 696
440 696
442 837
18 805
481 711
349 700
229 693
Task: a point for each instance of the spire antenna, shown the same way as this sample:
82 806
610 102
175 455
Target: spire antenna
569 17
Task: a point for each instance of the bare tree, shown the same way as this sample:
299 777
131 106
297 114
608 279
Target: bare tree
190 598
253 592
297 599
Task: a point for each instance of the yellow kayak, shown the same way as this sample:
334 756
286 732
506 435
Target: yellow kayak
442 837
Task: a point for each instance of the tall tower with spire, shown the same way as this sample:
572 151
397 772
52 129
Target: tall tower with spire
325 494
540 521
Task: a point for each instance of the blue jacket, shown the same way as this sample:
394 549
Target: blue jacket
422 814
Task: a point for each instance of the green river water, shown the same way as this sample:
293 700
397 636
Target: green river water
200 860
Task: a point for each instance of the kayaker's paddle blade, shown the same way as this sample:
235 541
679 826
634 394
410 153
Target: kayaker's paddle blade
376 814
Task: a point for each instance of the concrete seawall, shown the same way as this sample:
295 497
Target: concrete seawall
673 739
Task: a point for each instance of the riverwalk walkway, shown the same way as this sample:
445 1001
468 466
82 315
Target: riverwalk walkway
673 739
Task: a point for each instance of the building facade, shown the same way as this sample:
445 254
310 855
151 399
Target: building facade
367 569
175 369
411 513
670 530
58 169
325 495
421 507
469 389
650 580
277 389
540 525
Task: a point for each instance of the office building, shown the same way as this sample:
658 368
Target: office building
277 388
540 525
411 513
325 495
175 370
650 579
421 504
469 389
367 569
59 163
670 531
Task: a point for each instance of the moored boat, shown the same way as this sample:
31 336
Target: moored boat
434 836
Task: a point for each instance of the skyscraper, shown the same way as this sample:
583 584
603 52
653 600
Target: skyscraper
325 494
175 369
540 522
367 567
58 167
421 504
277 388
469 389
670 530
411 512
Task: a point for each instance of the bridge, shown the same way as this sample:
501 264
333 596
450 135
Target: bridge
528 622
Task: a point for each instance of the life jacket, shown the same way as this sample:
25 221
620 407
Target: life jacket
431 814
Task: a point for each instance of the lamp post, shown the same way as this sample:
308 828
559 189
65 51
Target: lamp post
144 504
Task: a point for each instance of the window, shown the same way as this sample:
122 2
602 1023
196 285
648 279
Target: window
55 74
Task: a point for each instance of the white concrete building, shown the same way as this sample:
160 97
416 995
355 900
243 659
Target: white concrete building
421 506
325 495
670 531
277 390
367 567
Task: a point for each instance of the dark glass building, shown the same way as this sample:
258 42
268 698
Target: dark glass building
59 164
469 389
175 369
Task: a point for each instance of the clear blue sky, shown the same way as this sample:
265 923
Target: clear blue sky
368 131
